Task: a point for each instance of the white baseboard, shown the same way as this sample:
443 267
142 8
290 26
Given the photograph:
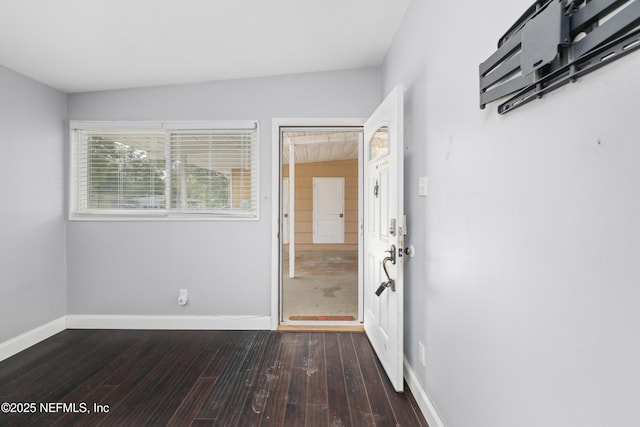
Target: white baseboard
424 402
23 341
80 321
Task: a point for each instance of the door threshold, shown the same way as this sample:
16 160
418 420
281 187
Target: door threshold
321 326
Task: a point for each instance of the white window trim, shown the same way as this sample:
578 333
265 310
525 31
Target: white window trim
151 216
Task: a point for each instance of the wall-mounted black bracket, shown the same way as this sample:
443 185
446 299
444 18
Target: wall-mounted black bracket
553 43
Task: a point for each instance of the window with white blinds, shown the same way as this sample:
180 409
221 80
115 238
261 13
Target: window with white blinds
205 170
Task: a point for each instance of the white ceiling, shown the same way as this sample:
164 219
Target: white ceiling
320 146
88 45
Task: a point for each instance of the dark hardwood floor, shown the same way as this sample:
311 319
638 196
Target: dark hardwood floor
202 378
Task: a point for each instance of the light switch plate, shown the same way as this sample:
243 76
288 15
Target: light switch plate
423 186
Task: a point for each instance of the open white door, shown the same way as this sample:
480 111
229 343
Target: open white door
384 230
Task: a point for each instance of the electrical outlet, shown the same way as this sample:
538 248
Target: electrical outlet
421 354
183 297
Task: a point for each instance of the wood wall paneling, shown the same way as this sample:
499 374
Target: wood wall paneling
305 172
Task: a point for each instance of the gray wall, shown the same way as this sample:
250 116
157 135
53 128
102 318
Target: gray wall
525 286
137 267
32 226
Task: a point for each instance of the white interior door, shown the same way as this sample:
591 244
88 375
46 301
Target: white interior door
328 210
384 230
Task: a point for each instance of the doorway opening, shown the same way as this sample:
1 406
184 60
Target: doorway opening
320 217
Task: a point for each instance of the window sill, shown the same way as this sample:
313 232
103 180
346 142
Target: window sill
158 218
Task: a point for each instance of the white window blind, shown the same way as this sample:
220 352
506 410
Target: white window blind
214 171
120 171
163 171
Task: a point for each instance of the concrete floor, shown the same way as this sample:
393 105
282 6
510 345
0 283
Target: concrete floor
326 284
